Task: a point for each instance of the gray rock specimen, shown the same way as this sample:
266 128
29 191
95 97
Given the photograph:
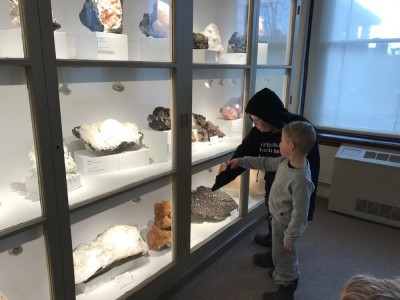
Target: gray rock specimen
160 120
237 43
206 129
209 205
200 41
102 15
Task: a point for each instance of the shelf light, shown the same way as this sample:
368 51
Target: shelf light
208 83
64 89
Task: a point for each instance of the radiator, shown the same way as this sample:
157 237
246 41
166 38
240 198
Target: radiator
366 184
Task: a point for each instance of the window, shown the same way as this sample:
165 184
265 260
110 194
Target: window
353 81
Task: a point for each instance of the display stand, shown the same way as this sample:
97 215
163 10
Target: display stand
234 58
262 53
159 144
11 45
231 128
102 46
204 56
155 49
90 163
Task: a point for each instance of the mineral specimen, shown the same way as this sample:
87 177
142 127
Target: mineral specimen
70 166
214 39
160 235
211 205
16 20
160 120
200 41
116 243
109 136
156 24
237 43
102 15
206 129
228 113
2 296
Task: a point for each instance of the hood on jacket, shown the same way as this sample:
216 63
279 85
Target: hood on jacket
267 106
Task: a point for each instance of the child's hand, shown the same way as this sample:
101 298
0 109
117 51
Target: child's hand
233 163
288 247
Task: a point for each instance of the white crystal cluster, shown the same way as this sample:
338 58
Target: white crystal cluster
109 135
214 38
117 242
70 166
2 296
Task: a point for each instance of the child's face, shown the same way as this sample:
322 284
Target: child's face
285 146
262 125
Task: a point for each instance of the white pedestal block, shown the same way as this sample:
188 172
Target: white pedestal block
60 42
159 143
231 128
204 56
153 49
262 53
102 46
11 43
90 163
234 58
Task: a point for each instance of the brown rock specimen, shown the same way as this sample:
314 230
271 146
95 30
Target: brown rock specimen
160 235
206 129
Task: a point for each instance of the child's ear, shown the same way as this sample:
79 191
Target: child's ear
292 146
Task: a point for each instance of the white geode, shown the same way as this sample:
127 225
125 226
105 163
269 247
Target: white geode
70 166
116 243
108 136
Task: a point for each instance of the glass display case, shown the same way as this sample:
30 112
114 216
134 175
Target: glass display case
116 123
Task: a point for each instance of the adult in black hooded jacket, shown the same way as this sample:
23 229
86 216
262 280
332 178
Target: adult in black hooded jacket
267 106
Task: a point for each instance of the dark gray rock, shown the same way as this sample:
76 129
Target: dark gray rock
160 120
209 205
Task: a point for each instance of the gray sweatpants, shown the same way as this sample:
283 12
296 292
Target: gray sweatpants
286 262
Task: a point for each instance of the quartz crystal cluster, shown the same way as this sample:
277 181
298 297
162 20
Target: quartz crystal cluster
116 243
109 136
210 205
70 166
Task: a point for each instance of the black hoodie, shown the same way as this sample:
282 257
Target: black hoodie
267 106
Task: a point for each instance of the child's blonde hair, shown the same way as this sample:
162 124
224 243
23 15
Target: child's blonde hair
364 287
302 134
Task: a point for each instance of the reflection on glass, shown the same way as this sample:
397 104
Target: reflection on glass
273 30
116 126
217 112
220 39
19 190
106 263
113 30
273 79
23 273
207 222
